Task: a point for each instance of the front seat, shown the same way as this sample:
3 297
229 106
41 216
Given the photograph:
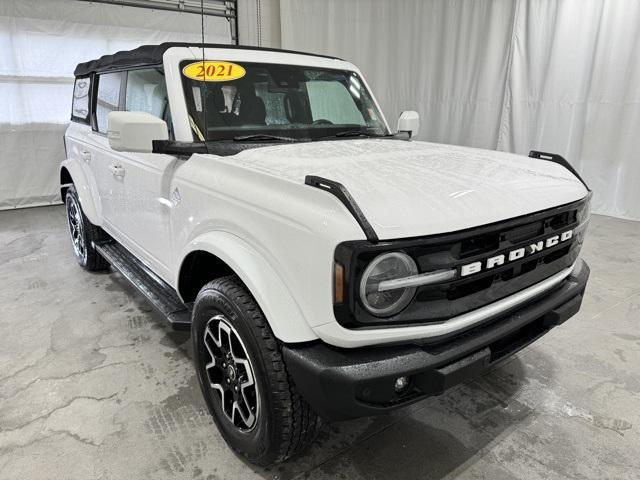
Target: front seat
252 110
296 108
215 106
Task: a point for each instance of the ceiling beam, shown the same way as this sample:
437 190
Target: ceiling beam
215 8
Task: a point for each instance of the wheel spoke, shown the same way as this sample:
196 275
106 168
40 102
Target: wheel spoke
237 355
246 384
207 333
248 381
248 419
246 400
220 389
224 331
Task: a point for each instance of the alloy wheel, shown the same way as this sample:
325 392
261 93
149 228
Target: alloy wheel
230 374
74 219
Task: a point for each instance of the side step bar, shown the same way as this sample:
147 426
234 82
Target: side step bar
161 295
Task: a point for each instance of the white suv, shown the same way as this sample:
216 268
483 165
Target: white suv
326 266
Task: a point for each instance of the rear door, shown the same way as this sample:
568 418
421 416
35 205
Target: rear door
97 155
78 137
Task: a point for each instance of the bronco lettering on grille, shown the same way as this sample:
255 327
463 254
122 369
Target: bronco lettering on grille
516 254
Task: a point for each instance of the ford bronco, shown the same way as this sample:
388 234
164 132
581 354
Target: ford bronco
326 266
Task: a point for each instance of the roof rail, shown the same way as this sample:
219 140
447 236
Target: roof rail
147 55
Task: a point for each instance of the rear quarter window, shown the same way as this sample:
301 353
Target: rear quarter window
81 97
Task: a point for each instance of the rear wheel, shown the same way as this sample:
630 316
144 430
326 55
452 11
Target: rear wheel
243 377
83 234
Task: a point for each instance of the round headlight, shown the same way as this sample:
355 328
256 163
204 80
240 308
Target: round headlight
388 266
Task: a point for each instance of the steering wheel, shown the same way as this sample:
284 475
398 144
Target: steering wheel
322 121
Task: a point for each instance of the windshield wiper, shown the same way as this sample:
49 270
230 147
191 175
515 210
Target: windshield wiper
355 133
263 137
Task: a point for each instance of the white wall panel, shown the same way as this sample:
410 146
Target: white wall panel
560 76
259 22
445 59
574 89
40 45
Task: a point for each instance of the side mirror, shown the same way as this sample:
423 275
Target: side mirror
135 131
409 121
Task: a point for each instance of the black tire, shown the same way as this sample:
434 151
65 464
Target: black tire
284 424
83 234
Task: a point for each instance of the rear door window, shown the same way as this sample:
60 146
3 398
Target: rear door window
108 99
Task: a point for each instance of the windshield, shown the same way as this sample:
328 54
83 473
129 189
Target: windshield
264 101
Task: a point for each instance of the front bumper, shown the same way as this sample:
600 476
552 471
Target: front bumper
349 383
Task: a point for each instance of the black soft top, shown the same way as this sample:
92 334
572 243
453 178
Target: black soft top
152 55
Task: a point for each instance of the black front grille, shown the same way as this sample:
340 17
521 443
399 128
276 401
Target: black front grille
437 303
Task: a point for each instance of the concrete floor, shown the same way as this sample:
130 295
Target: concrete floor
94 386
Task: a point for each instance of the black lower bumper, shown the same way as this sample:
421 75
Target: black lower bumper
349 383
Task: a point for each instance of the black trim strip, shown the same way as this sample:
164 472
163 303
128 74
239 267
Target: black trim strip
171 147
340 191
555 158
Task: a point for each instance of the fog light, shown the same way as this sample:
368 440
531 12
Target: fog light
401 384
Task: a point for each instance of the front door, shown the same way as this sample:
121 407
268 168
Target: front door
143 207
144 204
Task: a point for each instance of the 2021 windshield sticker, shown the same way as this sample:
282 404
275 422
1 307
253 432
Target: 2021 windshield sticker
213 71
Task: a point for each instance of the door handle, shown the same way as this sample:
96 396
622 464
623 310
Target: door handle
116 170
86 156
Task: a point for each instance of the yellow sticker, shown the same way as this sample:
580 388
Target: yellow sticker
210 71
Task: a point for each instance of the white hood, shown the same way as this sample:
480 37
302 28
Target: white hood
408 189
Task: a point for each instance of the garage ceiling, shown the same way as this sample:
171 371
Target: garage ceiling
217 8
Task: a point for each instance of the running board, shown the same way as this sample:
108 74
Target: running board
161 295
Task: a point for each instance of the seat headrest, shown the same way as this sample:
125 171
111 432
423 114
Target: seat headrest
252 110
215 100
297 108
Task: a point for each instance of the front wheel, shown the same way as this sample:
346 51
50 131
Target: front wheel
243 378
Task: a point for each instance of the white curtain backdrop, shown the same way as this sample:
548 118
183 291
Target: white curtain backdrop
560 76
41 42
